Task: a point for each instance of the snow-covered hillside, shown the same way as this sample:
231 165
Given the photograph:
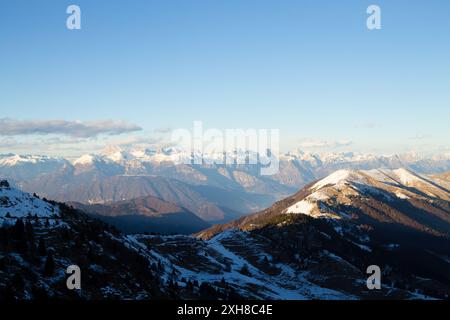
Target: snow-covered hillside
221 260
17 204
343 186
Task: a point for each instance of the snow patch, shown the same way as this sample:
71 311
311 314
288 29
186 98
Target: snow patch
303 207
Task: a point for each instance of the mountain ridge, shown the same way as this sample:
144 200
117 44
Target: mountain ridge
324 198
145 214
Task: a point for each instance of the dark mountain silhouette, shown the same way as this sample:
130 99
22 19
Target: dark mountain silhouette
146 214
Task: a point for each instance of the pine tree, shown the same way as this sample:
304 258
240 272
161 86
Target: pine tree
29 230
22 245
4 238
189 286
49 267
19 230
245 270
42 250
17 282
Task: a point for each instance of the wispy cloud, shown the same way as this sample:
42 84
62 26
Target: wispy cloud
69 146
324 143
78 129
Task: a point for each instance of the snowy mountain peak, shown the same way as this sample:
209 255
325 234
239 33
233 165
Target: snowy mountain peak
398 177
10 160
88 159
338 177
343 186
116 154
111 149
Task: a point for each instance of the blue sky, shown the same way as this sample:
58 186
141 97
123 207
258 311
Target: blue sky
309 68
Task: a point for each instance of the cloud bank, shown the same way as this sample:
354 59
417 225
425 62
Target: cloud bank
77 129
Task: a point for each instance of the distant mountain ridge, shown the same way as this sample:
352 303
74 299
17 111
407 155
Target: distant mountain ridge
215 193
307 166
144 215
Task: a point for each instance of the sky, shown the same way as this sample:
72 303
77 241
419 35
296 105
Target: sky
138 69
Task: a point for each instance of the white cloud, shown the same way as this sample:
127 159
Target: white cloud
324 143
79 129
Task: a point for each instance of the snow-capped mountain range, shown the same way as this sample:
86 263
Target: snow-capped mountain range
215 192
296 168
115 154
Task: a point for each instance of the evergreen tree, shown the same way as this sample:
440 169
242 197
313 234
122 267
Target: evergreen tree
18 230
29 231
189 286
4 237
49 267
22 245
42 250
245 270
17 282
